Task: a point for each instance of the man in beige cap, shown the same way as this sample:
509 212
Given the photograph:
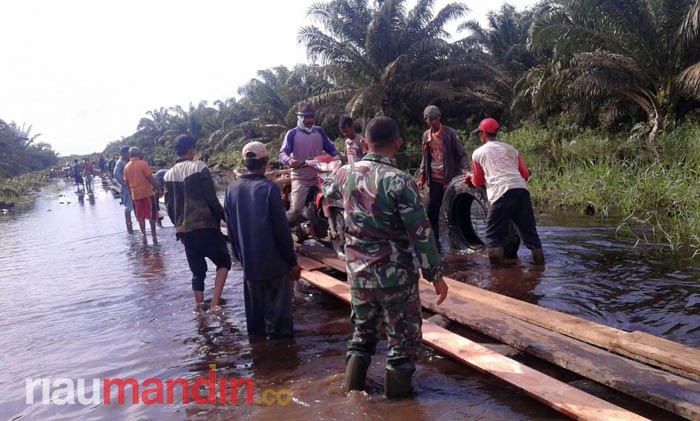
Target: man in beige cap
303 142
262 242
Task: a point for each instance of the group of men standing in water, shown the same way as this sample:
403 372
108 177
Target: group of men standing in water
387 228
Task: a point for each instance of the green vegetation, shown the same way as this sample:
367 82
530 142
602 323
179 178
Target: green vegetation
652 198
19 153
602 97
17 190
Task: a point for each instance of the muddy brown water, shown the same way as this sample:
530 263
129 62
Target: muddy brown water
81 299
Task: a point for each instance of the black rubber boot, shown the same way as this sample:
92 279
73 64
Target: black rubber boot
355 373
397 384
495 256
538 257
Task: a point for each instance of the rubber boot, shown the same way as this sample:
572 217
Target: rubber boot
495 256
538 257
397 384
355 373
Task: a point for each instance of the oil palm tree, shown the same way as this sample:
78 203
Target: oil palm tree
500 49
616 57
382 58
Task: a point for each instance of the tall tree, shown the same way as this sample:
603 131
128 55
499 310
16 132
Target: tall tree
613 57
501 50
381 57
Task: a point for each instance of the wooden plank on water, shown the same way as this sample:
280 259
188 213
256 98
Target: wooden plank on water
554 393
659 352
668 391
669 355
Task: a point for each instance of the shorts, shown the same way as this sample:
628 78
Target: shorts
201 243
145 208
126 200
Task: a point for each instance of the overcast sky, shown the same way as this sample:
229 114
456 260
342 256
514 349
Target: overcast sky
84 72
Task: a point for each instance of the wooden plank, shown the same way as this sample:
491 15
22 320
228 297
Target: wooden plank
659 352
325 256
558 395
669 355
670 392
309 264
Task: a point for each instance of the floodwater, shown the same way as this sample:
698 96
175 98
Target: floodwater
83 300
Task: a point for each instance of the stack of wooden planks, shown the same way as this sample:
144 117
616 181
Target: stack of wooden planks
652 369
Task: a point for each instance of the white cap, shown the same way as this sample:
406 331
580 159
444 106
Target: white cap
254 150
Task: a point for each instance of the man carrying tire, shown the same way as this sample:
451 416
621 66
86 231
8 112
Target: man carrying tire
501 168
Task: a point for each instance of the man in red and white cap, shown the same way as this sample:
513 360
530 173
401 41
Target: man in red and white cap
501 168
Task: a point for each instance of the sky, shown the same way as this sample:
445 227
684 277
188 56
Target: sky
83 73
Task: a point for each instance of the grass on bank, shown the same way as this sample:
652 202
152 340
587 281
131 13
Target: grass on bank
651 198
15 190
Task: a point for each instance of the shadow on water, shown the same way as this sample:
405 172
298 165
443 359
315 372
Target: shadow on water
82 299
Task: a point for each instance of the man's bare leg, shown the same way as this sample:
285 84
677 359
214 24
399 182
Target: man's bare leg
198 300
127 219
153 230
219 283
142 226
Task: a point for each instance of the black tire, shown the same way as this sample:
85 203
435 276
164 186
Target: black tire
465 209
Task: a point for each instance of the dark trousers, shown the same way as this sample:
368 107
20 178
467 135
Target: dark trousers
437 191
515 205
268 307
398 310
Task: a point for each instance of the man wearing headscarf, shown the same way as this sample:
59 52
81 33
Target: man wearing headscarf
303 142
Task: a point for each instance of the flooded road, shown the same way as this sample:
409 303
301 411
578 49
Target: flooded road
82 299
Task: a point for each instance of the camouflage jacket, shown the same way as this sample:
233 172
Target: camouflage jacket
383 216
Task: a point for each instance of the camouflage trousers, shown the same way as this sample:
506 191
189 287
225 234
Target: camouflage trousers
398 309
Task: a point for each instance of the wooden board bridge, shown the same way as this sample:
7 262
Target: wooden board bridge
654 370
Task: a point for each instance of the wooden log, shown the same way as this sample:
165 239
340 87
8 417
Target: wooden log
554 393
670 392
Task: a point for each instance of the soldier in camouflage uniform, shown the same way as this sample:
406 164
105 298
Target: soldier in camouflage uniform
384 217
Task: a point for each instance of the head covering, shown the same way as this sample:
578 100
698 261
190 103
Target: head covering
487 125
134 151
306 109
254 150
124 149
431 111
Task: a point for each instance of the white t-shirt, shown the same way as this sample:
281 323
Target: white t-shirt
500 164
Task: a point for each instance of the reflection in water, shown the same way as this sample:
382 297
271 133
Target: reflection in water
81 298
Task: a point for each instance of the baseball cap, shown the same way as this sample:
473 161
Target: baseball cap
487 125
254 150
124 149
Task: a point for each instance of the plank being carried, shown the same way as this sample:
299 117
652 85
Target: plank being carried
554 393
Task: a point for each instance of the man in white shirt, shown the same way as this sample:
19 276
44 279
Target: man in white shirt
501 168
